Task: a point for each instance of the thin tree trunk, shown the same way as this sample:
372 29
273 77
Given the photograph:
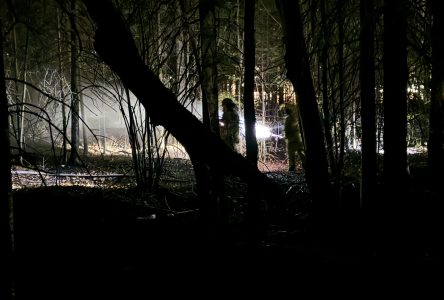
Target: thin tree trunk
368 104
394 215
325 97
342 125
16 123
239 91
64 157
20 108
6 242
249 60
23 100
133 138
209 67
75 124
82 111
104 133
215 196
395 95
250 113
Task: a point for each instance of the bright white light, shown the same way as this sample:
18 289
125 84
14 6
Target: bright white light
263 132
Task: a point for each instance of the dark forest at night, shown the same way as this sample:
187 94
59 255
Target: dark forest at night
145 139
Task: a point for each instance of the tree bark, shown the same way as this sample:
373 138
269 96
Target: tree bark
436 138
211 179
250 112
162 105
325 94
368 104
209 67
75 102
64 157
341 87
298 72
395 96
6 253
394 216
83 114
249 59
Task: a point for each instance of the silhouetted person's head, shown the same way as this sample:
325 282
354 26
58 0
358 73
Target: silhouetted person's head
228 103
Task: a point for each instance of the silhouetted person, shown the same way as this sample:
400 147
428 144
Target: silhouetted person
230 123
295 147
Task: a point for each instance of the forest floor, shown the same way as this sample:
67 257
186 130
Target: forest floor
126 242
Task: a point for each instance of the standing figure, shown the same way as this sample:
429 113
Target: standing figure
293 137
230 123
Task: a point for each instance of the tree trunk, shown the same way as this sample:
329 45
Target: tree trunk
436 139
64 157
17 117
325 94
368 105
209 67
82 111
75 118
204 147
239 81
22 108
395 96
298 72
341 83
394 216
249 59
6 253
214 208
20 100
250 113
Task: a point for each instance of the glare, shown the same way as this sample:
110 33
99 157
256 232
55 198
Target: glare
263 132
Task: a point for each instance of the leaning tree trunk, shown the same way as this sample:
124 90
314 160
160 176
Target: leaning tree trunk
298 72
162 106
6 253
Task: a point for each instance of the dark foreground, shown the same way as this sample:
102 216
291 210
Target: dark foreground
77 242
